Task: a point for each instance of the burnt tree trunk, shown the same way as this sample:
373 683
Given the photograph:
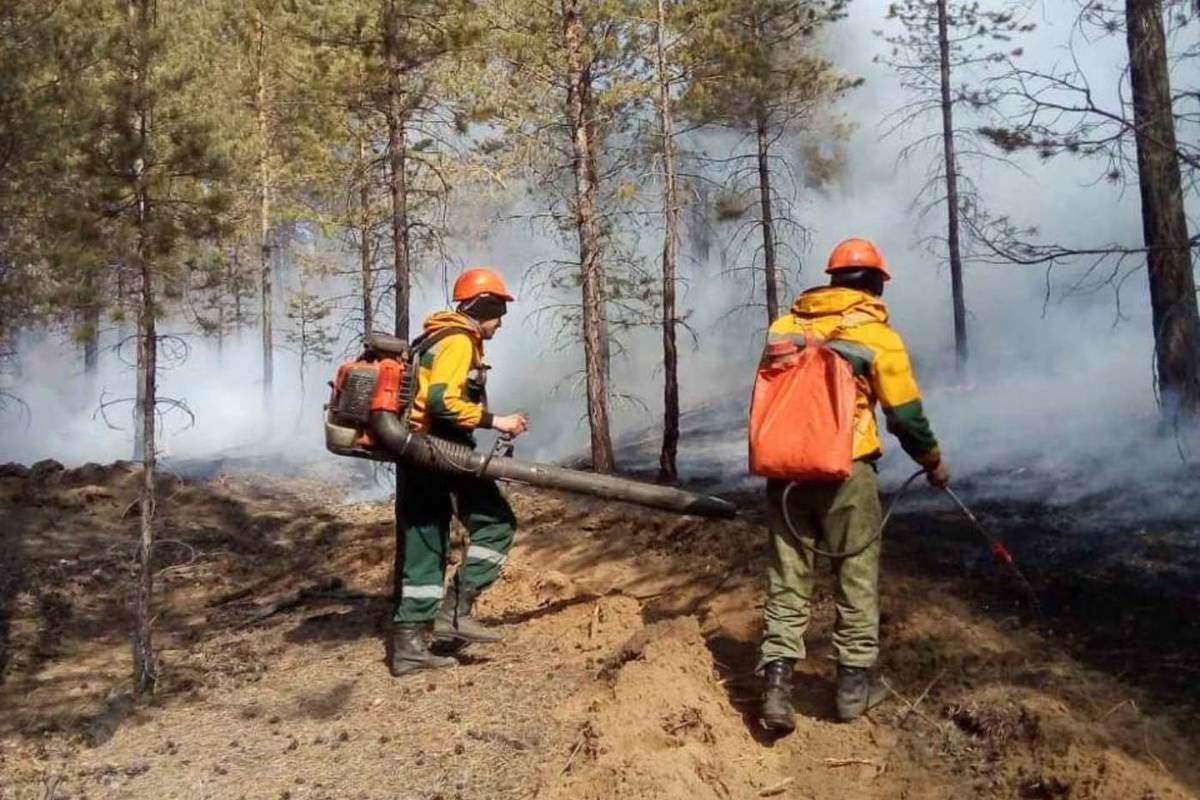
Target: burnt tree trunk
770 267
667 469
264 214
951 171
397 120
581 114
1164 223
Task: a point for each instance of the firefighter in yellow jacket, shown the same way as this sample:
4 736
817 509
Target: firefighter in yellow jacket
451 403
842 516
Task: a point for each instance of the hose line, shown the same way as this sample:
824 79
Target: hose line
999 551
787 518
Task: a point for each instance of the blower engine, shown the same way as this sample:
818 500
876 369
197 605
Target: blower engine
379 380
367 417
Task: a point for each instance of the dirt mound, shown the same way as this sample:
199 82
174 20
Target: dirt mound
660 727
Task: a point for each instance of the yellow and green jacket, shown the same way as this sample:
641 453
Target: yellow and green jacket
451 398
856 325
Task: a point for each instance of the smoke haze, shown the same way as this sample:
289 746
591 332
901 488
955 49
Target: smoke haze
1060 405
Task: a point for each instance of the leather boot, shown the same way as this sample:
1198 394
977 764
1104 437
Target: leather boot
857 693
777 712
409 653
454 623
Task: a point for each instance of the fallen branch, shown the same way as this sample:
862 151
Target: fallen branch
574 752
1115 708
913 706
328 589
847 762
229 597
778 788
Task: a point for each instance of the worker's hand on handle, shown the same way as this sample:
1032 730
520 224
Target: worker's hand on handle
512 425
938 475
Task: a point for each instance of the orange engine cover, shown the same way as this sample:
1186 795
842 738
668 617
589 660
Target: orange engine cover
387 387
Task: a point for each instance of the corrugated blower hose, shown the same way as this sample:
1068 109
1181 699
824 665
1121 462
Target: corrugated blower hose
366 417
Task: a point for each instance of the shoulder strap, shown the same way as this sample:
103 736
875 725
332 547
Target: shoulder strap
427 340
420 346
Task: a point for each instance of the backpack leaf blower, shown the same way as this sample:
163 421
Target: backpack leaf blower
367 417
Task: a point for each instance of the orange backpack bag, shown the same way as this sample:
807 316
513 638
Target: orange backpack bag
802 412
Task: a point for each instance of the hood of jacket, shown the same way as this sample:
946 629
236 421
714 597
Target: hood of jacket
828 301
440 320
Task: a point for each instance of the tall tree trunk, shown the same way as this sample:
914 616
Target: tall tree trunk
89 319
235 279
364 237
398 186
1164 223
770 269
264 212
667 470
699 234
139 403
397 119
581 112
144 670
951 167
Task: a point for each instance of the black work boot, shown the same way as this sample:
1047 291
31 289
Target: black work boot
778 715
409 653
454 623
857 693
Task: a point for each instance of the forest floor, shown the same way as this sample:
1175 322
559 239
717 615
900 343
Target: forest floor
627 666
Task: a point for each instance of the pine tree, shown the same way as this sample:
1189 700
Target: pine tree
383 55
565 94
1059 113
759 72
1173 299
149 157
274 134
309 333
941 40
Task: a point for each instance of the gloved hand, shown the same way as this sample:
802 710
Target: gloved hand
512 424
938 475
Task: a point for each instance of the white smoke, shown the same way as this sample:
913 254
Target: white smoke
1061 389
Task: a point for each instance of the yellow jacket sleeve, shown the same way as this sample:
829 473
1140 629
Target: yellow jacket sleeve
896 388
453 359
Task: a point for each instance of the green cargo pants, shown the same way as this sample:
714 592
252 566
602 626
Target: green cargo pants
423 542
837 516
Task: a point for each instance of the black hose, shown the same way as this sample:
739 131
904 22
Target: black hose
787 519
427 452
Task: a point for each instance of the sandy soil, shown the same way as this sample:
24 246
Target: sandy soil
626 671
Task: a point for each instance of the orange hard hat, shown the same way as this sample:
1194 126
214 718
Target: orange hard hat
480 280
857 254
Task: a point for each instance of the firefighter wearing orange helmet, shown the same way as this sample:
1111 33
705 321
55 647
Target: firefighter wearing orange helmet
451 403
842 516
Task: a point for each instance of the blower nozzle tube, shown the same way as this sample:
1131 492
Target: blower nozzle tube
427 452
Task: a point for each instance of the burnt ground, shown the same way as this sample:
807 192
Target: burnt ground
627 667
1119 594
